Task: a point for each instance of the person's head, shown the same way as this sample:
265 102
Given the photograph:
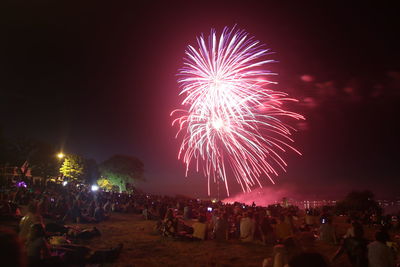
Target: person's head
358 230
169 214
306 240
382 236
12 253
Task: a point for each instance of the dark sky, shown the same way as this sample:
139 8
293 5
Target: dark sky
100 79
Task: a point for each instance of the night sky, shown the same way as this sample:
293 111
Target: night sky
100 79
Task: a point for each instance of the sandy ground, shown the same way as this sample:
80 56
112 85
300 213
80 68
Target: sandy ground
142 247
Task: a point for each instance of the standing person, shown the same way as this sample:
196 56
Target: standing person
91 209
355 247
107 206
187 212
257 231
247 227
221 227
379 254
99 214
309 219
267 231
74 212
350 230
283 229
236 226
327 231
162 210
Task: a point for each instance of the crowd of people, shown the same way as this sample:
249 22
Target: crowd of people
49 233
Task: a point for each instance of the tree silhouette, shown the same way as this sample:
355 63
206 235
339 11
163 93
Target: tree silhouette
36 156
120 170
73 167
358 201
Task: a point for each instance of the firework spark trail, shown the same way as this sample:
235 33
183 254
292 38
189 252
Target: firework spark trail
230 118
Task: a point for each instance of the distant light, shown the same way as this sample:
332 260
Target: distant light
307 78
214 200
60 155
64 183
95 187
21 184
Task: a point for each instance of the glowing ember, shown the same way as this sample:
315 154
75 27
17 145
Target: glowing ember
230 118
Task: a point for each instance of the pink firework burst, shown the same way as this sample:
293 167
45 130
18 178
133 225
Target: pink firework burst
230 119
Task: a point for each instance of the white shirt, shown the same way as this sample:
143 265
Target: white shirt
247 228
380 255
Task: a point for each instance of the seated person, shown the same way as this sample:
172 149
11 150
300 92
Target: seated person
74 213
83 234
37 247
169 224
38 251
283 253
31 218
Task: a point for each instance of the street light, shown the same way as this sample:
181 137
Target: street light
60 157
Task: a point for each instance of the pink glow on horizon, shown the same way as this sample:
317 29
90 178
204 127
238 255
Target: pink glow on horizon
261 197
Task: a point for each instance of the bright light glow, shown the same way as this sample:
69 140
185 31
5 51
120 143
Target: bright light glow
21 184
229 117
60 155
217 124
95 187
64 183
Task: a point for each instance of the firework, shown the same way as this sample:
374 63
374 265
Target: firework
229 118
